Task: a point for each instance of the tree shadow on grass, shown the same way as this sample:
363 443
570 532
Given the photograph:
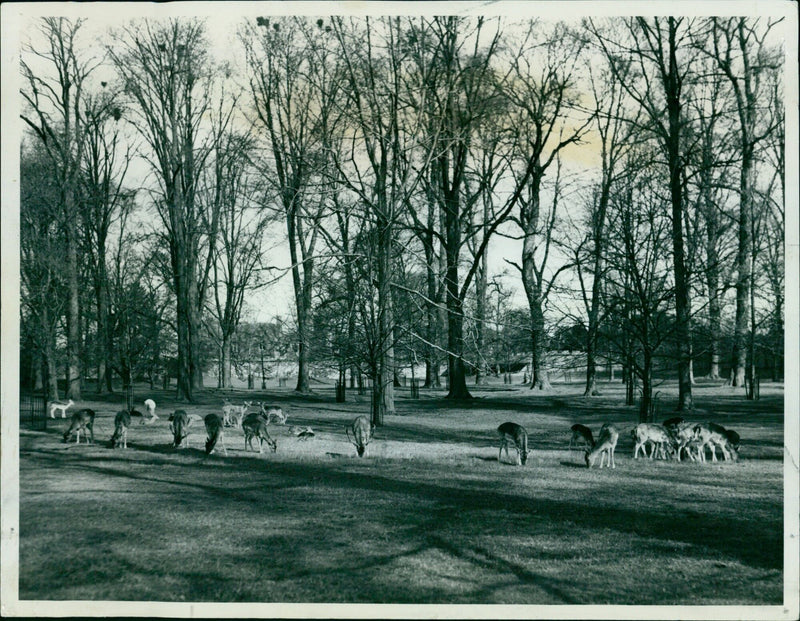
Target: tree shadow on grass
757 544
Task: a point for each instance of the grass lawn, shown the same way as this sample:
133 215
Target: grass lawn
429 517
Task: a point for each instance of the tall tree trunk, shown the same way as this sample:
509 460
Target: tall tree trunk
598 235
385 319
73 307
743 256
226 361
481 287
531 281
675 165
645 413
455 310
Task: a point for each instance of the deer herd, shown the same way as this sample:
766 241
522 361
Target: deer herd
674 439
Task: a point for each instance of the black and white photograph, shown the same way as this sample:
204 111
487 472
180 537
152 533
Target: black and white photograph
400 310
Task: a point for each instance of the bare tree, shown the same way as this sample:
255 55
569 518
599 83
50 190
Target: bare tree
105 164
544 74
743 55
660 51
294 90
238 264
167 73
56 113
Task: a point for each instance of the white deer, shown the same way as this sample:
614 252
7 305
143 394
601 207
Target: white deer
60 405
273 414
232 415
645 433
150 406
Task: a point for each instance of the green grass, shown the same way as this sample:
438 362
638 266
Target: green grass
429 517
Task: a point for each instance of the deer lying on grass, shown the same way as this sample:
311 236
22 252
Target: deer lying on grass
179 423
214 428
362 430
302 433
232 415
582 433
273 414
512 433
713 436
606 445
81 420
60 405
255 427
150 406
657 435
121 423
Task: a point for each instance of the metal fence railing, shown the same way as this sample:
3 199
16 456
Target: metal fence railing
33 412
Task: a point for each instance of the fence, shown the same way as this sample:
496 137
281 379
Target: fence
33 412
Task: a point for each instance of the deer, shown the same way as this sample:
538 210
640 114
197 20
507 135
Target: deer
255 427
653 433
673 422
362 430
682 436
81 420
214 429
733 439
581 433
232 415
121 423
150 406
301 433
606 446
713 436
60 405
512 433
179 423
273 413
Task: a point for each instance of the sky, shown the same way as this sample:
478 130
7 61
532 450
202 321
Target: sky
222 25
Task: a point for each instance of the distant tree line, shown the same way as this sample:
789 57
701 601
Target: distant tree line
389 154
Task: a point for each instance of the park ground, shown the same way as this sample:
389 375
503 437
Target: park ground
430 516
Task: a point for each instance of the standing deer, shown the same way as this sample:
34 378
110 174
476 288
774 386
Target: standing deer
255 427
81 420
179 423
645 433
713 436
60 405
232 415
214 429
512 433
362 430
121 423
273 414
606 445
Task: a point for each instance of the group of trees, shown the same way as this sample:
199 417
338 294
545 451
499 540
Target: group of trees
392 153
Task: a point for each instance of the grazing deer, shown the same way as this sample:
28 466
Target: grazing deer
682 435
81 420
733 439
362 430
214 428
582 433
273 414
150 406
675 421
645 433
713 436
512 433
60 405
695 451
606 446
179 423
121 423
255 426
232 415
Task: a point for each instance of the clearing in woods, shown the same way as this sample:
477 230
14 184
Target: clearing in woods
429 517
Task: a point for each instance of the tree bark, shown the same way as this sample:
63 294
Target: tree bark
675 165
